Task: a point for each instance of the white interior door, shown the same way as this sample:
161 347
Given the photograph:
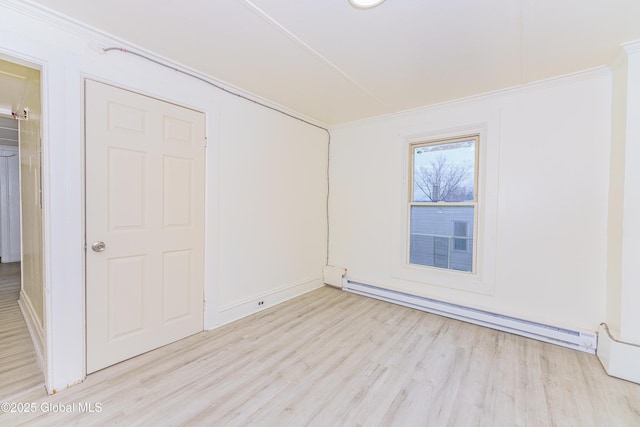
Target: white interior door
145 201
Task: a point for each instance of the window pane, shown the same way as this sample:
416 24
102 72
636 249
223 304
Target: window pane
460 244
460 230
444 172
434 242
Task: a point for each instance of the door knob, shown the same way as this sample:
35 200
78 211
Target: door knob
98 246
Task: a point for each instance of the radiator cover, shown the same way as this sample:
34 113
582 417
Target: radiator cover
581 340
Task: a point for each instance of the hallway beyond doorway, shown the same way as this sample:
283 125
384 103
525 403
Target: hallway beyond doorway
19 371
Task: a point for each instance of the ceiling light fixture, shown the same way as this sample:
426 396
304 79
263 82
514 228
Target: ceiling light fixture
365 4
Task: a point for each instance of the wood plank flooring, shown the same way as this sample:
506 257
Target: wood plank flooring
19 369
330 358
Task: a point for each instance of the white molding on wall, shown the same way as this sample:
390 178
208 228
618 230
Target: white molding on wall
482 281
619 359
14 257
34 327
578 76
99 39
248 306
631 47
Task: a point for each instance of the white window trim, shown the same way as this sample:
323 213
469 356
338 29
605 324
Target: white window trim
482 279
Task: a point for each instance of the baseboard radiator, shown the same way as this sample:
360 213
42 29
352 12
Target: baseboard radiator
581 340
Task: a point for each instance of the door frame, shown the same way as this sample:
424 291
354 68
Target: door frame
40 337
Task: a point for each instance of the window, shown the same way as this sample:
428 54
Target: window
460 230
443 203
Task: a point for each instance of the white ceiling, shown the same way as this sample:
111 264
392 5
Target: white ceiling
334 63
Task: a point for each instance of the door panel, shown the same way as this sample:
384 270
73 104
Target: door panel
145 201
126 195
176 303
126 293
177 201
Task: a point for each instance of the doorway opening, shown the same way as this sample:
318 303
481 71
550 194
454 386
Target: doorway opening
22 342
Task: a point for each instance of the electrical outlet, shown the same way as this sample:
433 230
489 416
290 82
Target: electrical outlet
260 302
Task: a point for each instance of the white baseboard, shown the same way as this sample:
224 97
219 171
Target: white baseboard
13 257
232 312
34 327
618 358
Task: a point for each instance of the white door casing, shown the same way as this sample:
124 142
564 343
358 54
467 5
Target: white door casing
145 179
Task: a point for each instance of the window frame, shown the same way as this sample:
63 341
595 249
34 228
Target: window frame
476 137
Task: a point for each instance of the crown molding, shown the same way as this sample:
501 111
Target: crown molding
631 47
578 76
44 14
98 40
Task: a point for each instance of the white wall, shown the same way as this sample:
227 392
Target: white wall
266 183
272 223
545 174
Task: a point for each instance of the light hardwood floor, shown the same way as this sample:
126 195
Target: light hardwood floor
330 358
19 370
